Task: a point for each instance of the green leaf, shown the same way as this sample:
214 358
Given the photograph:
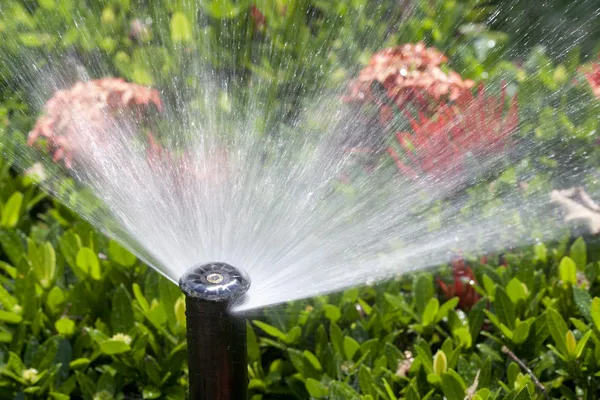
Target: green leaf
571 344
86 385
422 292
476 318
430 312
389 391
150 392
139 296
293 335
313 360
351 346
59 396
56 299
595 312
337 338
10 317
440 363
111 347
581 344
121 316
181 29
578 253
65 326
516 290
69 244
505 309
315 388
45 266
120 255
583 301
558 330
332 312
6 299
452 387
445 308
12 245
567 271
253 348
541 253
12 210
489 286
523 394
270 330
79 363
88 261
521 332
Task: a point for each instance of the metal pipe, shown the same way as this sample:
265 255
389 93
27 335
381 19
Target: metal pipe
216 339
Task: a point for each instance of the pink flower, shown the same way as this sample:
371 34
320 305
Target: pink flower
92 105
593 77
408 74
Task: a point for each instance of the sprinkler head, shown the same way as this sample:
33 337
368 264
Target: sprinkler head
218 282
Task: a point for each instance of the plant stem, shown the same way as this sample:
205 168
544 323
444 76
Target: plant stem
525 368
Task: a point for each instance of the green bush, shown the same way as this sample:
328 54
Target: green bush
82 317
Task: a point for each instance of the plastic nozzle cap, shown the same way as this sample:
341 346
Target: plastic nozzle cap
218 282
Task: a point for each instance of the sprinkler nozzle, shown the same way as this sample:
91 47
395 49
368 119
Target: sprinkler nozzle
217 357
217 281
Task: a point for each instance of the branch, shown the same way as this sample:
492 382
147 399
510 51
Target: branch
525 368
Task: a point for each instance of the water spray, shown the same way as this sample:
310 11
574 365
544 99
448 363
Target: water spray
216 338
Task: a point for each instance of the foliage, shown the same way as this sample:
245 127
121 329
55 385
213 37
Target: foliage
83 318
536 308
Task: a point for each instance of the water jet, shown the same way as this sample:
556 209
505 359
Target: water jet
216 338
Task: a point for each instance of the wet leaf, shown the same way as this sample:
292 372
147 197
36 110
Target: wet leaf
270 330
558 329
65 326
121 316
112 347
315 388
10 317
12 210
120 255
88 261
181 29
595 312
351 346
578 253
440 363
453 386
568 271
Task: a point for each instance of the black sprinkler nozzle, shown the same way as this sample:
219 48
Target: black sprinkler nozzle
216 339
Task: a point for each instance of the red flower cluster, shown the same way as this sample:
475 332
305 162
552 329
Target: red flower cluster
593 77
258 18
92 105
409 74
463 280
438 146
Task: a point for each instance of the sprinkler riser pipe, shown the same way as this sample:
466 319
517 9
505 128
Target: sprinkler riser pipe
216 338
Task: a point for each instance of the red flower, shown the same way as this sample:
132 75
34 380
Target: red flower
259 19
88 108
437 146
463 280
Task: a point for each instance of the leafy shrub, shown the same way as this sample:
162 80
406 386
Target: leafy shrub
80 317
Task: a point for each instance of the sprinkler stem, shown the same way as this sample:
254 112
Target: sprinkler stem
216 338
